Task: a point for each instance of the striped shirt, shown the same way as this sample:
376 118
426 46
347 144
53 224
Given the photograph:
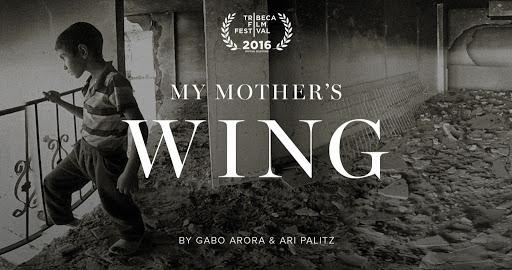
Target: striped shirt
104 103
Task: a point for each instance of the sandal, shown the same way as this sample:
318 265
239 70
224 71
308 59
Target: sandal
125 247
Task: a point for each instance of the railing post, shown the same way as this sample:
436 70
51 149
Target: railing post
74 119
41 180
27 179
76 136
59 143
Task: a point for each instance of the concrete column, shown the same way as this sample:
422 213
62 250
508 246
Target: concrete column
165 59
224 66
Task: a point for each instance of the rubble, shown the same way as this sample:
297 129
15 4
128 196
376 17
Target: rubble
352 259
68 250
5 264
430 242
397 190
443 202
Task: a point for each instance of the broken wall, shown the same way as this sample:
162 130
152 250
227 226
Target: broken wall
379 51
479 55
178 52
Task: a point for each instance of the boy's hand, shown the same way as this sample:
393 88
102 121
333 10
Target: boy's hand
52 96
127 182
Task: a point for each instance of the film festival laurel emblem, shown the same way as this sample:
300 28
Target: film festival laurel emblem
255 24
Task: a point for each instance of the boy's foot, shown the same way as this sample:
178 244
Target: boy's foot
75 223
125 247
41 216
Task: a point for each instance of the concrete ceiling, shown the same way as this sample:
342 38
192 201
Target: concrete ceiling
132 7
467 3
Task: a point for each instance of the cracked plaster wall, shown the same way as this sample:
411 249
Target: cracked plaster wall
28 30
478 54
178 51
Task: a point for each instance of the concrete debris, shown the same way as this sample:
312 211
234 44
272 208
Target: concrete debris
306 212
505 205
499 170
352 259
393 162
493 242
488 121
68 250
450 131
484 217
396 190
429 242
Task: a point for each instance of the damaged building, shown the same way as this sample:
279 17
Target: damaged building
435 74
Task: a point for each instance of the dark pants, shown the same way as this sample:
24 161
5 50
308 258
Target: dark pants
81 165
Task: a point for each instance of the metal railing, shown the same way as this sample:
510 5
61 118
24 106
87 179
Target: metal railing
24 190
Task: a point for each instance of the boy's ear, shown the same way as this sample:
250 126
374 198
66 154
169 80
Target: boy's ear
83 51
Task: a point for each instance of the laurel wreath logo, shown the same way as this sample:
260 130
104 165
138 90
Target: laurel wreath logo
225 32
226 38
287 32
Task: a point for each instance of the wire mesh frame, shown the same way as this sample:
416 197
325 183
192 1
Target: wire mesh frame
401 103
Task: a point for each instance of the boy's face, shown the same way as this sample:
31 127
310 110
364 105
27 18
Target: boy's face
73 64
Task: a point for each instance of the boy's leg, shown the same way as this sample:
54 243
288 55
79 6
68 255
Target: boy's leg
125 213
58 186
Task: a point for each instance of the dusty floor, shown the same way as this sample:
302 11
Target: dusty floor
443 203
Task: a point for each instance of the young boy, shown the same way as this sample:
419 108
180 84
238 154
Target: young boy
100 155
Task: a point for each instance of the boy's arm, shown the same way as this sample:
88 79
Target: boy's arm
128 180
54 96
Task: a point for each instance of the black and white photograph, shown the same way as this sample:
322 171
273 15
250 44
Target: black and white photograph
256 134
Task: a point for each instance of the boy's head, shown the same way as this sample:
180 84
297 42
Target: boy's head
78 45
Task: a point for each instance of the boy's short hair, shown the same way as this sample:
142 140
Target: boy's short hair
81 33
